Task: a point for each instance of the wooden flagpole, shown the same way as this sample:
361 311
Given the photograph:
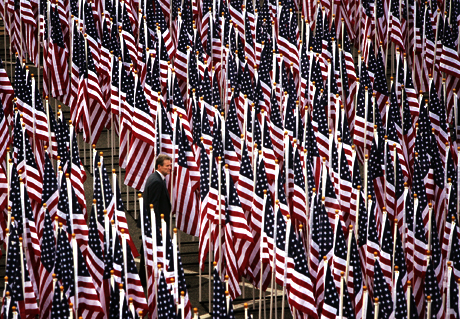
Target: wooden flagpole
75 269
219 199
261 251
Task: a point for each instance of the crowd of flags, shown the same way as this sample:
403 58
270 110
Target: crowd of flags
314 145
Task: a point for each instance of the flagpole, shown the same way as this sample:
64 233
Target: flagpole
112 130
21 254
7 236
323 179
122 297
368 211
261 254
219 165
47 109
8 181
458 179
273 279
5 17
24 232
209 229
430 230
120 123
286 160
154 254
286 252
125 257
450 238
7 294
33 108
449 278
395 233
455 112
176 276
69 196
131 307
366 164
141 216
75 269
171 179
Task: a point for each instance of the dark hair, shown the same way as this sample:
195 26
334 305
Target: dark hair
160 160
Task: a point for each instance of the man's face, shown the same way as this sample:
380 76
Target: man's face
165 169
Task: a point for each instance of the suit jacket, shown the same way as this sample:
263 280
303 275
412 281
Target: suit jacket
156 193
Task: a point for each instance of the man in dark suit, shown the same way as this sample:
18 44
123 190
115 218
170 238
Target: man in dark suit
156 192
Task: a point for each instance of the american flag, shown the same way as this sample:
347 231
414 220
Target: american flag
59 305
219 306
330 308
372 243
419 237
355 289
141 154
93 38
94 252
22 291
267 149
131 278
77 174
64 265
88 300
382 292
452 309
57 55
204 216
21 210
432 290
3 199
399 297
166 307
396 31
48 251
185 207
240 234
182 286
96 103
72 95
362 136
78 221
127 93
6 93
245 187
386 248
114 303
339 260
300 286
379 86
151 248
5 138
276 127
31 175
50 194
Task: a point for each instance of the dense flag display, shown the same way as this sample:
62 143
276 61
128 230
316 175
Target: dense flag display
314 145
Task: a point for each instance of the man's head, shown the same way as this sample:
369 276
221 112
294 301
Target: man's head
163 164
